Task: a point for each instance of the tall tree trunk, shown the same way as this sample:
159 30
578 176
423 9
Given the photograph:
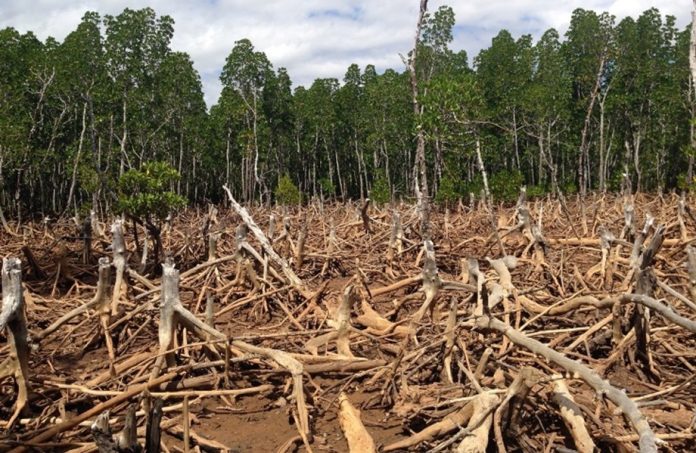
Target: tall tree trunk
603 148
124 137
360 165
515 140
386 169
422 178
484 174
256 148
181 159
692 65
584 143
541 156
339 176
227 157
73 180
439 164
5 225
636 160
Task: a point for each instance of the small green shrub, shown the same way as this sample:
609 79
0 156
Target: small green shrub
570 188
615 180
474 186
380 192
144 194
327 187
683 183
286 192
447 191
505 185
88 178
535 191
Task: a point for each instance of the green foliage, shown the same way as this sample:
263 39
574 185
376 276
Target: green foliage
145 194
535 192
505 185
683 183
116 91
88 178
327 187
286 192
84 209
447 191
380 193
474 186
569 187
615 181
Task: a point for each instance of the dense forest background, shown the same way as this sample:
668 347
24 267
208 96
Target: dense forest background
569 112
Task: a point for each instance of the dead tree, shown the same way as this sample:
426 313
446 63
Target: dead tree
152 428
96 226
532 231
245 270
125 442
299 252
645 285
396 243
33 264
172 314
477 278
103 307
365 216
101 433
606 239
118 245
420 169
507 413
209 221
431 280
691 266
14 318
294 280
479 425
296 369
488 201
341 324
100 301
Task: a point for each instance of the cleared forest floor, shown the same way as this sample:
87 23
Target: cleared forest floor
438 349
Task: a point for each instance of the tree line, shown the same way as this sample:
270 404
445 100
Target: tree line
571 113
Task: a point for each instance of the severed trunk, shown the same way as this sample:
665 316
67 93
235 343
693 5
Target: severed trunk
420 168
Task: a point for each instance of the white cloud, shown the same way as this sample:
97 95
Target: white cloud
320 38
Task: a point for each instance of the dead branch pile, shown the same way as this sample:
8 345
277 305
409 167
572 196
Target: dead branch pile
338 327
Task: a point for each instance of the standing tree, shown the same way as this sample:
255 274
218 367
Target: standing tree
136 44
245 73
588 49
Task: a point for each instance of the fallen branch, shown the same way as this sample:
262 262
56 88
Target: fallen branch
359 440
98 409
572 416
480 424
444 426
267 247
628 407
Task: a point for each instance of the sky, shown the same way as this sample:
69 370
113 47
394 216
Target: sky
321 38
